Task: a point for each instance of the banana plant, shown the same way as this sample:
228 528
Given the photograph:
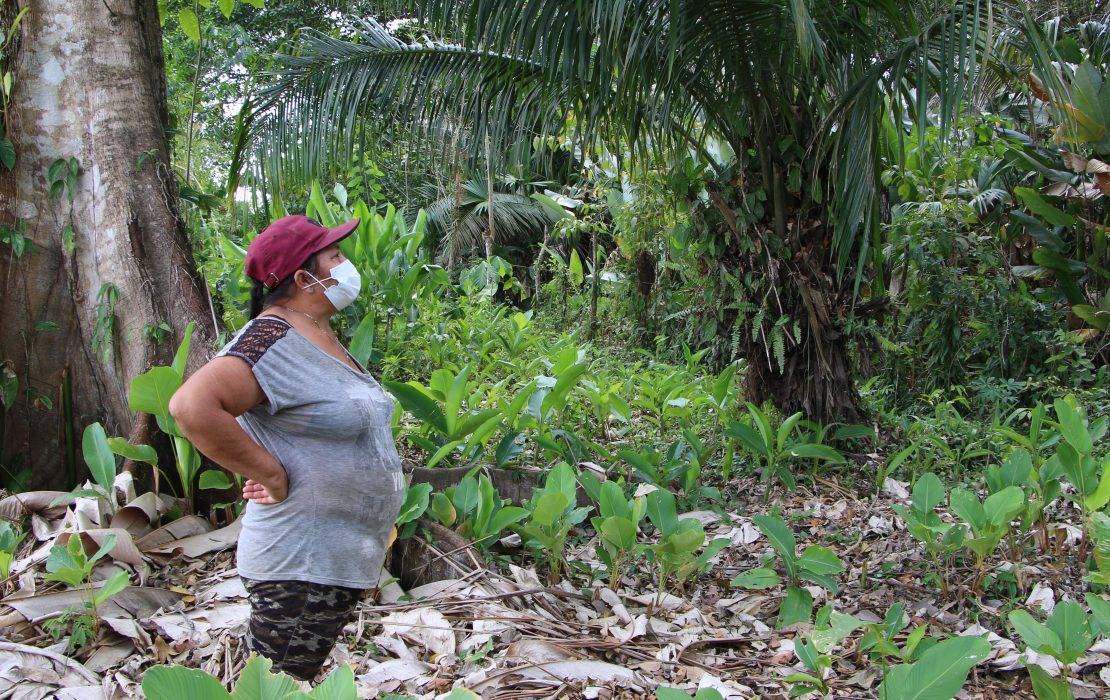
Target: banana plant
475 510
617 526
775 449
446 425
923 522
256 682
817 564
989 520
1075 455
939 673
150 393
676 554
1065 636
552 512
813 650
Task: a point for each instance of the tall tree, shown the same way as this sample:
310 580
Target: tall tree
805 93
105 261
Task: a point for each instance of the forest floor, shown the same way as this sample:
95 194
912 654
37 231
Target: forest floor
504 633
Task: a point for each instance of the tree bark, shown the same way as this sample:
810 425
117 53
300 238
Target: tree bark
89 84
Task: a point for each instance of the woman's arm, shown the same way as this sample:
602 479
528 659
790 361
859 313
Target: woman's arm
205 408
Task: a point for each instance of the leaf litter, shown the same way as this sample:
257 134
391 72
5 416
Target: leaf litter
503 633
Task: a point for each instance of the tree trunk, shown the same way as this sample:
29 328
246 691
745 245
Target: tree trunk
89 85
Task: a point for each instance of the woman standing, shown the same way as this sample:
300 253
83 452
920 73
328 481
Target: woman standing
285 405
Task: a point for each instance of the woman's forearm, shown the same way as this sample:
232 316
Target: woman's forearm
216 433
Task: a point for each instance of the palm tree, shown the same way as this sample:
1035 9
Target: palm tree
811 95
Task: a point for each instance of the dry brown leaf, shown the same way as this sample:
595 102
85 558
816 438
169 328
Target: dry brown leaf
15 506
424 626
26 670
199 545
133 601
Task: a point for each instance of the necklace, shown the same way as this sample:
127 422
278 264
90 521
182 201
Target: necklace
316 323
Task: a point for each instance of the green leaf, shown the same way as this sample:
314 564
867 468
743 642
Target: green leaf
757 578
613 502
1100 613
112 586
181 356
1045 687
419 404
257 683
661 511
1002 507
415 503
226 7
807 653
339 685
99 457
796 608
548 508
840 626
820 565
1037 204
136 453
214 479
7 154
748 437
823 452
1038 637
177 682
151 391
1070 624
938 674
782 539
966 505
928 492
504 518
189 24
362 344
1072 424
619 533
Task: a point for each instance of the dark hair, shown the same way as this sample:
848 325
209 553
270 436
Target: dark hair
262 296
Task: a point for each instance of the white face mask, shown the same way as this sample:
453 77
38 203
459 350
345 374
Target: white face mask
349 283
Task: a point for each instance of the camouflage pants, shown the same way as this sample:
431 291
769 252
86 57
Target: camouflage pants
295 624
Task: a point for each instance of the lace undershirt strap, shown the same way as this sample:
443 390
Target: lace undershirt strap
258 337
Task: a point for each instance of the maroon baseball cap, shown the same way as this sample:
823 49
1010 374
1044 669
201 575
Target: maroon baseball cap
286 244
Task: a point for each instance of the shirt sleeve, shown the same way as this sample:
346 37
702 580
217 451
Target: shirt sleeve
254 344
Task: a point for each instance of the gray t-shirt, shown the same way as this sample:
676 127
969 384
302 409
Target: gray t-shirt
329 426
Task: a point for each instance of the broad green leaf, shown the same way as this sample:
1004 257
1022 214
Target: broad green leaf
820 565
181 357
339 685
548 508
613 502
782 539
1045 687
504 518
178 682
419 404
151 391
362 344
257 683
575 268
1038 637
415 503
747 437
112 586
1101 495
796 608
807 653
1072 424
107 545
99 457
1100 614
443 510
226 7
1002 507
189 24
938 674
760 577
619 532
928 492
214 479
136 453
966 505
840 626
661 511
1070 624
1039 206
823 452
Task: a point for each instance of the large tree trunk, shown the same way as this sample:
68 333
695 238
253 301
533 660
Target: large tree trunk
89 84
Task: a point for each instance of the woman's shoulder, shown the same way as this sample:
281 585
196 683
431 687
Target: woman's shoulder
256 338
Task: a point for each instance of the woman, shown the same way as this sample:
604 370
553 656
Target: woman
286 406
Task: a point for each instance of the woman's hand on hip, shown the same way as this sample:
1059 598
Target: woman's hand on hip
275 490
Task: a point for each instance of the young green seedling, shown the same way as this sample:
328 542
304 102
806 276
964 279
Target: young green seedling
617 526
817 564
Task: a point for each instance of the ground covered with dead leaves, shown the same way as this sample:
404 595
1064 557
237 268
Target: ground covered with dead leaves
505 633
